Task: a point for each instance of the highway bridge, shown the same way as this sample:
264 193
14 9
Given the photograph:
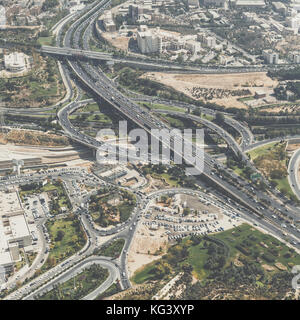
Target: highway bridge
72 53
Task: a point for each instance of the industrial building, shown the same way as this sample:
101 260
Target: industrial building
14 231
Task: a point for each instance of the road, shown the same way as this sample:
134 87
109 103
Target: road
293 173
78 268
248 199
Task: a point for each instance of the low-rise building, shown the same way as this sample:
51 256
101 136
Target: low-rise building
249 3
217 3
14 231
15 62
108 22
279 7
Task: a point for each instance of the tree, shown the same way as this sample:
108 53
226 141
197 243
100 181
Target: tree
220 118
60 235
186 211
197 112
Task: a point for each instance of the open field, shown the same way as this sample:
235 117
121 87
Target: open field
114 38
144 250
113 249
78 286
33 138
67 238
42 85
45 41
261 150
231 82
271 160
242 261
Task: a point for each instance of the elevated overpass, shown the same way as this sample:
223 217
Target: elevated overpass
72 53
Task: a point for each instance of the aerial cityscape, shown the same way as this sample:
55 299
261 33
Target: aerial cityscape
149 150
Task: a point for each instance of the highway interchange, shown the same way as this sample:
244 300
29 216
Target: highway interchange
247 200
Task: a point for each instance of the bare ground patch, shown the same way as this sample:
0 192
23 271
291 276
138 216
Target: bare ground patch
227 82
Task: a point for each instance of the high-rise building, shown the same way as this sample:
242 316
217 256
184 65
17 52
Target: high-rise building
193 3
294 56
270 56
148 41
3 21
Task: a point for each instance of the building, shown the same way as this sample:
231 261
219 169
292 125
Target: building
294 56
3 21
148 40
15 62
215 3
14 231
279 7
193 3
207 41
137 11
249 3
259 94
271 57
249 16
108 23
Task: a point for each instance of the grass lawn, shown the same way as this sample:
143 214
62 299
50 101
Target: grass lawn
174 122
244 243
271 151
79 286
261 150
238 170
90 108
253 239
197 258
283 184
156 106
246 99
114 249
73 240
167 178
45 41
207 117
145 273
125 211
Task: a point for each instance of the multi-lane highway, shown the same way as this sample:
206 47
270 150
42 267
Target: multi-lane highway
104 88
248 200
293 173
104 262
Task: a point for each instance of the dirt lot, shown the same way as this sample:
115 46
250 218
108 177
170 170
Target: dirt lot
33 138
185 83
290 108
142 244
116 40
